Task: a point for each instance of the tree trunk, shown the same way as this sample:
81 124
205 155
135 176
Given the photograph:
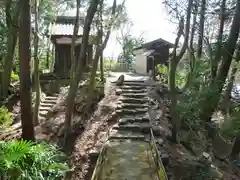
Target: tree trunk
74 38
225 104
25 80
36 67
201 29
173 98
100 48
101 56
12 24
236 148
211 102
176 122
95 64
80 66
192 59
216 59
101 68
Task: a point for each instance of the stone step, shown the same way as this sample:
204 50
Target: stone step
134 81
41 118
49 101
131 106
131 82
140 83
43 113
129 120
132 112
134 95
133 100
137 127
51 98
115 134
42 108
133 91
133 87
43 104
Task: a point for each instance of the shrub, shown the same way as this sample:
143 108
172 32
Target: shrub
5 117
23 160
231 127
164 71
14 77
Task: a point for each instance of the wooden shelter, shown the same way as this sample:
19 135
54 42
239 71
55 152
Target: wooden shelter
150 54
61 37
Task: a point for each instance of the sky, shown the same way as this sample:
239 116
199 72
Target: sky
150 18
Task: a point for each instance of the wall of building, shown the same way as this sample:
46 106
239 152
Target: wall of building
62 63
162 56
141 64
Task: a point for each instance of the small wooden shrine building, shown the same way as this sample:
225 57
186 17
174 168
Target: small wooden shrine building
61 36
150 54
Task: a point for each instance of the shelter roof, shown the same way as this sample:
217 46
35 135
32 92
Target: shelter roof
158 43
64 25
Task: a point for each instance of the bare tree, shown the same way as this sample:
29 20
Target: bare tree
173 63
80 66
192 58
74 38
101 46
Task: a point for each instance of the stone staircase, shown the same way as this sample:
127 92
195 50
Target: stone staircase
46 106
132 110
128 153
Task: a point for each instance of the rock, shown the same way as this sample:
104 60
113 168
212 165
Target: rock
160 131
93 155
222 148
118 91
165 159
159 142
120 80
207 157
113 117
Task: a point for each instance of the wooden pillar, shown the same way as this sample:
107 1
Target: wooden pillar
56 60
53 58
153 67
